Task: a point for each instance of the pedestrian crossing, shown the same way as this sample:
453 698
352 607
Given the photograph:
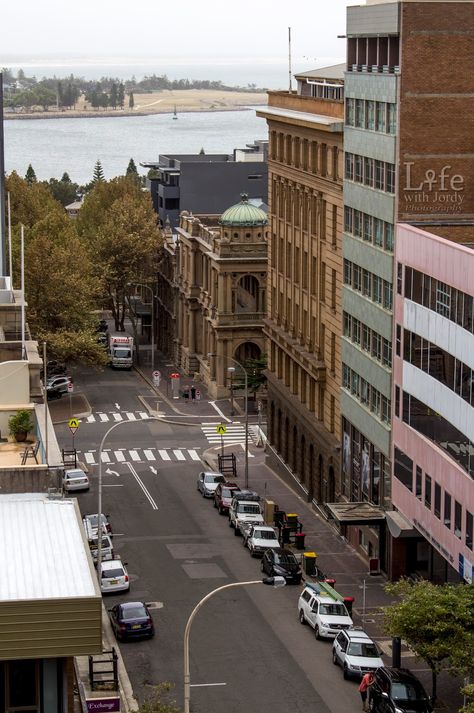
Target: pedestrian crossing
115 416
112 456
235 433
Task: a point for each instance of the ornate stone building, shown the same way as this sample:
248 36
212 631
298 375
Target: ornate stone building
220 272
303 322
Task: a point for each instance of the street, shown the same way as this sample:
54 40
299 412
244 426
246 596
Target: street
247 648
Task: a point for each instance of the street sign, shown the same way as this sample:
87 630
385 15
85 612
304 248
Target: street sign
221 429
73 424
175 375
198 395
70 387
156 374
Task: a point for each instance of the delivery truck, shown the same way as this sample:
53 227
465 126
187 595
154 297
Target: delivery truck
121 351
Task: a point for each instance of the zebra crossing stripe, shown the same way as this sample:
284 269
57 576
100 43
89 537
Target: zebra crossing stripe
103 417
179 455
90 419
131 416
149 455
164 455
105 457
194 455
119 456
134 455
90 460
117 417
143 415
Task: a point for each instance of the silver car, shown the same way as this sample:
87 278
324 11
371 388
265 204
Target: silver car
207 483
75 479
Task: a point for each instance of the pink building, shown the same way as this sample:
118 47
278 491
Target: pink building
433 401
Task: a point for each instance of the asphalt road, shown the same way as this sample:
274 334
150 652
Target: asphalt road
248 651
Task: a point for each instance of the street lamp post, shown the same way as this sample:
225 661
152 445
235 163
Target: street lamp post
147 287
231 370
246 406
272 581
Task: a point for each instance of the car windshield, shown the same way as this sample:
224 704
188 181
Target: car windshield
227 492
93 543
122 353
285 558
94 518
265 535
407 692
112 573
333 609
137 612
213 478
75 474
250 508
359 648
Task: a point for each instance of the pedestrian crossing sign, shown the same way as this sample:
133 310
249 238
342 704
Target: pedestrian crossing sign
73 424
221 429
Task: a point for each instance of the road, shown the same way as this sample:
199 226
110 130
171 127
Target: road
248 652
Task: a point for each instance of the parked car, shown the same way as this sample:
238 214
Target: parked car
107 551
58 383
325 614
131 620
113 577
355 651
397 690
53 368
259 538
223 496
207 483
91 525
244 509
75 479
279 562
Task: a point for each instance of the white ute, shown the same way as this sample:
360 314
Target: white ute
323 608
259 538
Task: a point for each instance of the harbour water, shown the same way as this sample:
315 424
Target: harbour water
54 146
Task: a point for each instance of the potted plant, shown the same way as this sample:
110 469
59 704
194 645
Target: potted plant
20 424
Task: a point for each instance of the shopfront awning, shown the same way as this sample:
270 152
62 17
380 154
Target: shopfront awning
356 513
398 525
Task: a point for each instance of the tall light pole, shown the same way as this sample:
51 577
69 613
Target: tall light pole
147 287
272 581
246 467
231 370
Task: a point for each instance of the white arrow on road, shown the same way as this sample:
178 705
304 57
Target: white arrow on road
153 470
117 406
109 471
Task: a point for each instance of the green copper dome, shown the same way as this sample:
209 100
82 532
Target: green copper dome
244 214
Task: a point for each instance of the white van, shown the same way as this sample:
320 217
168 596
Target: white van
107 552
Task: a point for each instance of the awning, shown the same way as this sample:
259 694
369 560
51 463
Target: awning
356 513
398 525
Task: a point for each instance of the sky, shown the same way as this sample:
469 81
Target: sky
207 30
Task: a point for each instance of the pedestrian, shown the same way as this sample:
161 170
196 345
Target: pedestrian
365 684
193 393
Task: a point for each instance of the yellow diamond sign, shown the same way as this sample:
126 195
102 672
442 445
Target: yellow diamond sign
221 429
73 424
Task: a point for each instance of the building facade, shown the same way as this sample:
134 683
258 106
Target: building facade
303 321
220 275
433 397
408 156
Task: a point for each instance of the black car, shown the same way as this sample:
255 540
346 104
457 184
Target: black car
397 690
280 562
131 620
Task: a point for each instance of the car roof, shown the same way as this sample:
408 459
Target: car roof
355 634
130 605
75 471
264 527
112 564
280 551
398 674
210 472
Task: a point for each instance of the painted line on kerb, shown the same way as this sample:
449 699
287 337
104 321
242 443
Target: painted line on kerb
201 685
142 486
212 403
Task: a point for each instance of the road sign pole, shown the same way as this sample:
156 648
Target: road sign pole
222 444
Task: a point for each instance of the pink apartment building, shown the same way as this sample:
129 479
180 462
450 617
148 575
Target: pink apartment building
433 401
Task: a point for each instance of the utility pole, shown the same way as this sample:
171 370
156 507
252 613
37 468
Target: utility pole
3 237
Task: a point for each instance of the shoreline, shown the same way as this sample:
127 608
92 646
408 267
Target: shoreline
111 114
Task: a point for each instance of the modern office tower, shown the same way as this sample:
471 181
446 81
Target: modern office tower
408 144
303 322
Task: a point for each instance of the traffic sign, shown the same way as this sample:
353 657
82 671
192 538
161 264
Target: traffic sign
70 387
156 374
175 375
221 429
73 424
198 395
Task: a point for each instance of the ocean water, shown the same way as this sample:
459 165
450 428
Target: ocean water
53 146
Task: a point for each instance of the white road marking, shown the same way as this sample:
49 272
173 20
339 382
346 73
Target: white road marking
89 458
112 485
105 457
142 486
149 455
134 455
103 417
119 456
117 406
164 455
179 455
117 417
90 419
213 404
200 685
153 470
143 415
109 471
194 455
131 416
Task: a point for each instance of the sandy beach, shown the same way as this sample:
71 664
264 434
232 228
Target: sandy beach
162 102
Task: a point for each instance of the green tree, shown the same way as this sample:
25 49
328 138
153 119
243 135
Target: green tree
121 95
113 96
437 623
44 97
132 171
30 175
65 191
131 101
468 691
98 175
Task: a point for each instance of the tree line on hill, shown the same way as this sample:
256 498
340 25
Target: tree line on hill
22 92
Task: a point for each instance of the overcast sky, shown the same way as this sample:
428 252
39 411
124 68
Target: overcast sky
174 28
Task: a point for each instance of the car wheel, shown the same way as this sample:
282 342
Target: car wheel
316 632
236 531
221 511
298 581
345 672
334 658
301 617
372 706
262 567
230 523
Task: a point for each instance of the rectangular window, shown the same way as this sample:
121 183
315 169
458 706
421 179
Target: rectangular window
359 113
457 518
358 223
387 295
378 232
347 219
346 321
403 469
346 376
349 166
399 278
443 299
333 289
376 346
397 401
349 112
389 237
355 384
381 116
364 392
419 482
366 335
356 278
368 228
347 272
368 171
428 491
358 169
469 527
322 292
370 115
447 510
437 501
386 353
398 340
366 283
379 175
355 331
386 409
390 178
377 289
392 118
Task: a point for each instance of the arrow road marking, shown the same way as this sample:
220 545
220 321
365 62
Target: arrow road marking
117 406
109 471
153 470
142 486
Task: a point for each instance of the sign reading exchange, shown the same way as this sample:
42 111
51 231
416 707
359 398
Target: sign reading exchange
436 190
97 705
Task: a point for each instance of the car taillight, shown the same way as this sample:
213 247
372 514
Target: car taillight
126 577
122 627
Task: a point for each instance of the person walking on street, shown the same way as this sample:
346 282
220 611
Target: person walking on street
365 684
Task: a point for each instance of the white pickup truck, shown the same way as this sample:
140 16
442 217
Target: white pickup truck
244 508
259 538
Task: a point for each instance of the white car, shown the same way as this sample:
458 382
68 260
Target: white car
107 548
325 613
355 651
207 483
113 577
259 538
91 523
75 479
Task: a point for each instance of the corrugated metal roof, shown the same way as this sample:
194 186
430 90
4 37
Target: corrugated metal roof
335 71
42 551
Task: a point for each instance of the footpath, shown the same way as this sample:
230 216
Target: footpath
335 557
